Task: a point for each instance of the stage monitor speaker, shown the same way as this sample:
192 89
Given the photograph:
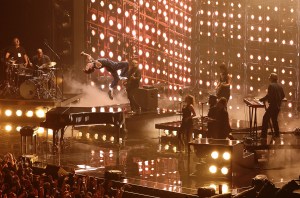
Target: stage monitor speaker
113 175
147 99
55 171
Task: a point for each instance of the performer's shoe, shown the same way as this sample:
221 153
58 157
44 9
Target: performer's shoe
110 94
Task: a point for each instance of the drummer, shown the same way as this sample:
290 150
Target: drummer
40 61
16 54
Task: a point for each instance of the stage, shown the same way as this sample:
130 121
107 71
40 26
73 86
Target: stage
146 155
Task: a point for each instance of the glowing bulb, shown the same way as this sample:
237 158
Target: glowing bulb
8 128
8 112
226 156
29 114
213 169
40 113
224 171
214 154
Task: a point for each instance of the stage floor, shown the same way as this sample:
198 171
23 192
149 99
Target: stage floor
146 161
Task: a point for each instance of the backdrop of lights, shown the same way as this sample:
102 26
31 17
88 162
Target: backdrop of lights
254 38
156 32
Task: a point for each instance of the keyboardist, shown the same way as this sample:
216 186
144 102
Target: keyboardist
274 97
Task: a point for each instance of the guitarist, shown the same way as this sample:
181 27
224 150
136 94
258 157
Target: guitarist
132 85
111 66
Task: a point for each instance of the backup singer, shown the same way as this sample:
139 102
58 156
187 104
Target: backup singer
223 87
132 85
186 128
274 97
111 66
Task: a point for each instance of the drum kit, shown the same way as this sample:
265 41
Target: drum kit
28 83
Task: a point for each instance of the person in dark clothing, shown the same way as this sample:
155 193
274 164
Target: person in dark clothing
40 59
218 119
223 87
111 66
212 101
274 97
17 53
211 117
132 85
186 128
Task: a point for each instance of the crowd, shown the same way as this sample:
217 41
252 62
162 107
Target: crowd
17 179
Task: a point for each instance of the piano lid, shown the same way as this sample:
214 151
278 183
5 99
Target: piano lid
59 117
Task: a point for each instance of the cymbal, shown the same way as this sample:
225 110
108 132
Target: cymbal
43 66
51 64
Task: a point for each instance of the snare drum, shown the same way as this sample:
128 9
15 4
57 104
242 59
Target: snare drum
28 89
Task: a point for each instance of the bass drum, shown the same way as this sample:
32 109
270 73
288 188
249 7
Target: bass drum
28 89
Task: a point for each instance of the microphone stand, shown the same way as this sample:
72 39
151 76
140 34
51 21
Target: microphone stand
62 74
202 117
180 110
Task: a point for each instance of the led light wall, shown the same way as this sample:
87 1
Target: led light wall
253 38
156 32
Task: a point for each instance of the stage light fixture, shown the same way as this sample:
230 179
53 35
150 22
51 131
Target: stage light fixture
111 54
224 170
94 17
215 155
226 156
18 128
40 130
8 128
213 169
8 112
50 132
19 113
40 113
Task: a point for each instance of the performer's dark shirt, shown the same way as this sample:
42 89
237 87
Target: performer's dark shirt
187 121
275 95
17 54
219 127
133 83
38 62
